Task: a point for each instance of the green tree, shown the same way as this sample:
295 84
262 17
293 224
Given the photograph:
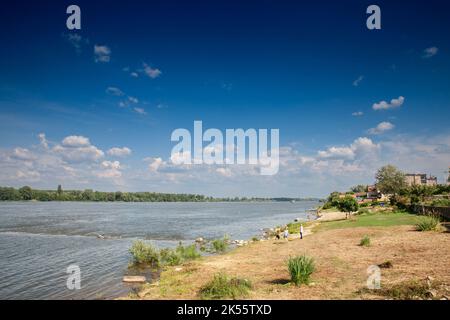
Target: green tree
390 180
60 190
26 193
348 204
359 188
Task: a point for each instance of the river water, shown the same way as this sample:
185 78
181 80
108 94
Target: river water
38 240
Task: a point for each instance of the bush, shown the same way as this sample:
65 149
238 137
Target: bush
441 203
363 211
300 268
145 253
188 252
365 241
428 223
222 287
220 245
170 257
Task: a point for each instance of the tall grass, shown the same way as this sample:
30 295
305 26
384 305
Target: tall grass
223 287
300 268
220 245
365 241
428 223
143 253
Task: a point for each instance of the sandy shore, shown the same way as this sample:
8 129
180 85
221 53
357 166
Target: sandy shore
341 264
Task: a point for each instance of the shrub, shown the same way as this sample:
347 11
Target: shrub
170 257
441 203
428 223
188 252
363 211
365 241
144 253
222 287
220 245
300 268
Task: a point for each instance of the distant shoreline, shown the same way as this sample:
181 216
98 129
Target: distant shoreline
28 194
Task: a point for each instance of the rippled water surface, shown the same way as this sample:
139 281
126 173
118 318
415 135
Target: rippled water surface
38 241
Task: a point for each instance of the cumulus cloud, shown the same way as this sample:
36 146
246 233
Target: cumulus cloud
381 128
357 114
22 154
76 141
111 169
151 72
358 81
383 105
430 52
119 152
102 53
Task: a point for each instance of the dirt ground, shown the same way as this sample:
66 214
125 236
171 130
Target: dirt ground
341 264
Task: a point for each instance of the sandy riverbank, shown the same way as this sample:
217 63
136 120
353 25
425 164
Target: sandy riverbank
341 264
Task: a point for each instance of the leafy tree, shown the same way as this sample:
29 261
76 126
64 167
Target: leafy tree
26 193
390 180
359 188
348 204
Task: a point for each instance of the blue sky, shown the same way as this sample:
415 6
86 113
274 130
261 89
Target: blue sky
313 70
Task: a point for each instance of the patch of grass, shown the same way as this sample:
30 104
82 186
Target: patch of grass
300 268
396 218
223 287
406 290
188 252
428 223
146 254
143 253
365 241
220 245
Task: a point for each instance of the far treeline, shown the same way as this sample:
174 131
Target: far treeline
27 193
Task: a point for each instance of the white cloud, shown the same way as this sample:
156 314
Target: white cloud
383 105
43 140
75 40
22 154
76 141
140 111
357 113
134 74
111 169
430 52
119 152
358 81
154 164
102 53
133 100
151 72
381 128
114 91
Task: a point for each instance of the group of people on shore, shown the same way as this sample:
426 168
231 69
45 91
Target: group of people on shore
285 233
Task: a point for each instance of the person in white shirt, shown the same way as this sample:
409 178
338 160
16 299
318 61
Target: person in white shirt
286 233
301 231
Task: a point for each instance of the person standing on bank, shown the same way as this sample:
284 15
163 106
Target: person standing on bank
301 231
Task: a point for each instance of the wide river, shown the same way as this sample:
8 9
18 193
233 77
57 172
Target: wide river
38 240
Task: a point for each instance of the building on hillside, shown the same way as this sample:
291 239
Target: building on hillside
420 179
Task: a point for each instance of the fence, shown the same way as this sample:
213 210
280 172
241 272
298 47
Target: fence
443 212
